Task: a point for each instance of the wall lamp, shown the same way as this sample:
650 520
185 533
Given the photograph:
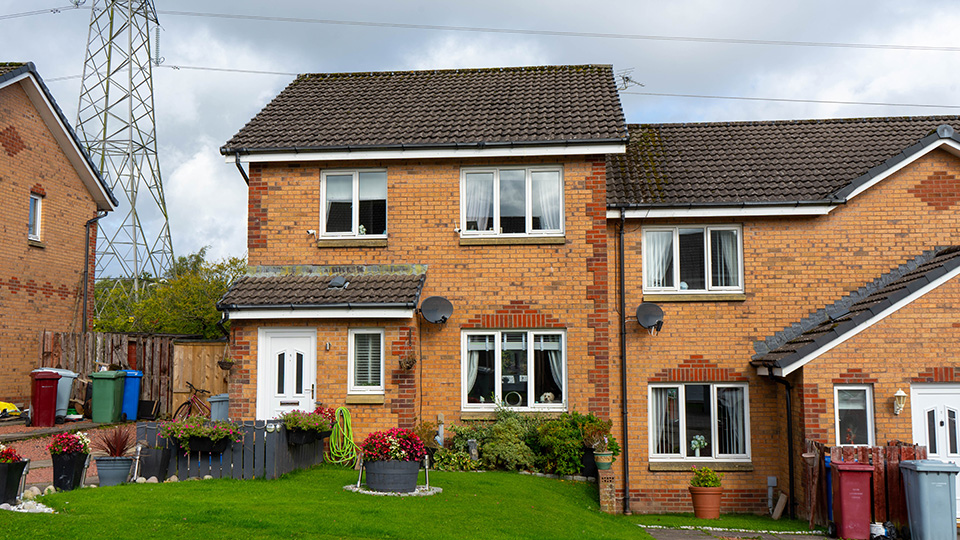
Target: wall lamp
899 401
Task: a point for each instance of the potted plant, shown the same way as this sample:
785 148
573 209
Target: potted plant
114 468
154 461
706 491
303 427
392 460
69 452
596 439
198 434
12 465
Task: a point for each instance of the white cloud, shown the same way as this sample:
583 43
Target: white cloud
476 51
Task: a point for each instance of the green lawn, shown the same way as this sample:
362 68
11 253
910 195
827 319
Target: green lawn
313 504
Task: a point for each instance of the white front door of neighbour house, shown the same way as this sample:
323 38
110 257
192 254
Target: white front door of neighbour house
286 371
936 422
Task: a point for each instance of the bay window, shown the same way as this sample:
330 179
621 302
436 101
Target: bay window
692 259
354 203
523 369
705 421
511 201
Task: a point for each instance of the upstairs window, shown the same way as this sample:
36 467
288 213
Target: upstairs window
691 259
33 220
511 201
354 203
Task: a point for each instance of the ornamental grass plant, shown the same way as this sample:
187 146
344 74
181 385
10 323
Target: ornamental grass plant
116 442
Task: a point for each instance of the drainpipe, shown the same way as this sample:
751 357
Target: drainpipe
86 266
787 387
623 367
223 319
243 173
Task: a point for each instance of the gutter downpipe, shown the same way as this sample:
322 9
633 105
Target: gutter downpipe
787 387
622 302
243 173
86 266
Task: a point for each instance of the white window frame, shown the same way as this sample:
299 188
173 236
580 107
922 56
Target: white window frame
355 218
871 419
352 387
714 432
498 333
710 289
528 197
35 235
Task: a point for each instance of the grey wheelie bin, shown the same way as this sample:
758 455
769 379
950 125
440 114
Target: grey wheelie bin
931 489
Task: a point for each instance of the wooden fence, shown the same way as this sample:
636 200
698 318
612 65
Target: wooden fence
166 361
888 500
261 454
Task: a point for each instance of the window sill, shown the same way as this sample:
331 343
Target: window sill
365 399
512 241
492 415
685 465
36 243
706 297
351 242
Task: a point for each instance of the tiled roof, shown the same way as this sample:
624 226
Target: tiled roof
826 325
757 162
441 108
7 67
362 288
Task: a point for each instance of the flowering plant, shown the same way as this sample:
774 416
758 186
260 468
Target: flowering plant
698 442
330 413
306 421
198 426
69 443
9 455
395 444
705 477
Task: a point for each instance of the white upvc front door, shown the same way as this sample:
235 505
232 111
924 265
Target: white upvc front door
936 422
286 371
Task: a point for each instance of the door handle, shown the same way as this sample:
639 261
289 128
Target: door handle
312 386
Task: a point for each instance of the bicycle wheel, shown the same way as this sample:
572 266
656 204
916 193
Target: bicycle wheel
183 410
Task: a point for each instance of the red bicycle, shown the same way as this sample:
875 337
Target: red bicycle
194 405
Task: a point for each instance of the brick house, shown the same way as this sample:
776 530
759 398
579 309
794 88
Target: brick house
49 192
787 257
796 258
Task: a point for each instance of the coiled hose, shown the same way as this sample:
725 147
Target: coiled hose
343 450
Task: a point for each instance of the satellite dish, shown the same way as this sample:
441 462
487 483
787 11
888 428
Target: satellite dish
436 309
650 316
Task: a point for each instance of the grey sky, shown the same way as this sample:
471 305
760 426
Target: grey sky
197 111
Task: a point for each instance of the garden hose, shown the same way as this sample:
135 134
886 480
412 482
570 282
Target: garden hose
342 448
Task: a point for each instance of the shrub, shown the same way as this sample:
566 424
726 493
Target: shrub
505 448
393 444
427 432
560 447
461 434
451 460
69 443
705 477
595 432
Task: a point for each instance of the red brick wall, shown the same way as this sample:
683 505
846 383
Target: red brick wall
40 285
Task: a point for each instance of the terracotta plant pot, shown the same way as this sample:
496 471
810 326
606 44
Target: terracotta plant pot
706 501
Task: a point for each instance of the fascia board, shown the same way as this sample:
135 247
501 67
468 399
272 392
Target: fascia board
874 320
426 153
948 145
724 211
338 313
66 139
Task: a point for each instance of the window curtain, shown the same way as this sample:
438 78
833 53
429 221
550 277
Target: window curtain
479 200
726 268
473 362
658 270
666 421
546 194
730 417
556 367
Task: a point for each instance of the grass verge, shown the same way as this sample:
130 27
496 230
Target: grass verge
313 504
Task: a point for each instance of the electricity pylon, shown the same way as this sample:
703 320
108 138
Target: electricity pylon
116 121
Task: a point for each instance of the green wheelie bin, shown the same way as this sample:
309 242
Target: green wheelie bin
107 396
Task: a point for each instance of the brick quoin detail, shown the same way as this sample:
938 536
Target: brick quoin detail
11 141
37 189
256 212
697 369
937 375
407 344
939 190
813 407
854 376
516 314
403 404
597 292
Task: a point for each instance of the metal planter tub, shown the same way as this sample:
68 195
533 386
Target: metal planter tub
113 471
392 476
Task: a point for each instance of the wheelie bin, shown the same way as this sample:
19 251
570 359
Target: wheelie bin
107 396
852 499
131 394
43 398
931 490
64 388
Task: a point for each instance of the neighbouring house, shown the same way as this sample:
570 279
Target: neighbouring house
800 264
49 193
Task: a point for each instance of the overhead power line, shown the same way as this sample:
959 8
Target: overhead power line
789 100
530 32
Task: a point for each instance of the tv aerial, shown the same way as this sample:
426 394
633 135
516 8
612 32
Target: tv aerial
650 316
436 309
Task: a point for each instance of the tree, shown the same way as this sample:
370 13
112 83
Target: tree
182 301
